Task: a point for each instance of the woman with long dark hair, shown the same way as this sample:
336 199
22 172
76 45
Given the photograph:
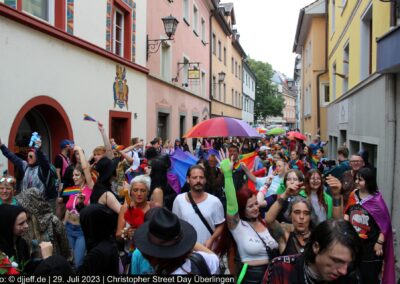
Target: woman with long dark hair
367 212
314 191
253 239
161 193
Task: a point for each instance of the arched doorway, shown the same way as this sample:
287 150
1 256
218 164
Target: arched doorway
45 116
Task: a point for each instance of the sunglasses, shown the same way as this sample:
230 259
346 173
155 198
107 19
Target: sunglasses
30 156
7 179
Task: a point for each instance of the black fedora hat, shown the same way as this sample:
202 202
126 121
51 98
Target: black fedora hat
106 169
165 236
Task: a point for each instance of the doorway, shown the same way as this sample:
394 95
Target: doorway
162 125
120 127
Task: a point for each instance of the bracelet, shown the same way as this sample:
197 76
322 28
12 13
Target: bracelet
379 242
337 202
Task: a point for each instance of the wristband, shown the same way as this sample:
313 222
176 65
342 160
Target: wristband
337 202
380 242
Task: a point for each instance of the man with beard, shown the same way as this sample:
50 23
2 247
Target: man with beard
348 178
202 210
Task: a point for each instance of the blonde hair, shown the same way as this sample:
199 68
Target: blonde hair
99 150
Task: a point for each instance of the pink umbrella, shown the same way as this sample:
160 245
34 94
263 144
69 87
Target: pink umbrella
294 134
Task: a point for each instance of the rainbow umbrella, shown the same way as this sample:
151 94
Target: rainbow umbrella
276 131
222 127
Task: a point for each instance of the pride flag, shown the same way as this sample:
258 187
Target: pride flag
180 163
88 118
71 190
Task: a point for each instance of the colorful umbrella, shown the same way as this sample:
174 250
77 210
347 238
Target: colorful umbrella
222 127
294 134
180 163
276 131
261 130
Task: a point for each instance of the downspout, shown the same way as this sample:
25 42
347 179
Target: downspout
325 68
210 58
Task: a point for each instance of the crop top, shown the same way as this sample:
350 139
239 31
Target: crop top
249 244
86 191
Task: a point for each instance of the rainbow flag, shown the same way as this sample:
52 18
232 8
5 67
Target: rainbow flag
88 118
71 190
118 147
248 159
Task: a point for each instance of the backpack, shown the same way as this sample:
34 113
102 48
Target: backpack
198 265
51 182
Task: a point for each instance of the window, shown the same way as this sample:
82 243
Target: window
346 63
324 91
118 33
203 30
307 101
203 84
219 51
186 11
195 20
309 56
366 44
42 9
239 73
233 95
219 91
225 56
236 68
224 92
185 78
233 66
165 61
214 47
214 89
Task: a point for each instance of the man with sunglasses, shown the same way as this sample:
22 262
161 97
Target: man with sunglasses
35 168
7 190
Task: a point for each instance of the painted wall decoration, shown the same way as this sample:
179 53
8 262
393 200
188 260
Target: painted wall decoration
109 25
70 16
120 87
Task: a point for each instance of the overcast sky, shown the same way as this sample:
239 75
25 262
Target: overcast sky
267 29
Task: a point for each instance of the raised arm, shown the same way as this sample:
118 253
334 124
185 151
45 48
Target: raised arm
232 210
337 198
107 144
85 167
17 161
248 172
272 214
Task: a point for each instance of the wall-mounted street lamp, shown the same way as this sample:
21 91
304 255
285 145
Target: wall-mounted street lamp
221 77
170 24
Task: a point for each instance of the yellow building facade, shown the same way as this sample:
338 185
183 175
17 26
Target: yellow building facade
226 61
310 43
353 28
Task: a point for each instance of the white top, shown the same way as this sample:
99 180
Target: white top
319 209
136 161
211 259
211 208
249 244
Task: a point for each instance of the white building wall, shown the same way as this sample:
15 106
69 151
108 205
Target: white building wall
34 64
90 21
249 92
141 28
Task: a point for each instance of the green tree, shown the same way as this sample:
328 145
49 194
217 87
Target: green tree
267 102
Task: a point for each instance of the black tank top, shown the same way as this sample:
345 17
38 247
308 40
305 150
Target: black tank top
293 245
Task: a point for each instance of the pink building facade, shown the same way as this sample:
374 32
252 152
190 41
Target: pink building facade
178 91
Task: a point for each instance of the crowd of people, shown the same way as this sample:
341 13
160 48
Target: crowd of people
269 210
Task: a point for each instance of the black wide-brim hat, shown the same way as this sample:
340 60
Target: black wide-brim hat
165 236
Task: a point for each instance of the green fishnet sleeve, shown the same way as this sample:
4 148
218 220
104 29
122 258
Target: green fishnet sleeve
230 192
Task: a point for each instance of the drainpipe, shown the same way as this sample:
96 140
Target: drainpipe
210 73
325 67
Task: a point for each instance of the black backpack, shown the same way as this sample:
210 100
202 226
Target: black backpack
198 265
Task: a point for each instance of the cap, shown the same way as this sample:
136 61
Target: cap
64 143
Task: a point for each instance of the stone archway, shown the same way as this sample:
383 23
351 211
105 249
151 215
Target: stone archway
49 117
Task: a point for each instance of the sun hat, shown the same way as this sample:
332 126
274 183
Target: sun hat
165 236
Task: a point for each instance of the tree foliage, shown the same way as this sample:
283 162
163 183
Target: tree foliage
267 101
